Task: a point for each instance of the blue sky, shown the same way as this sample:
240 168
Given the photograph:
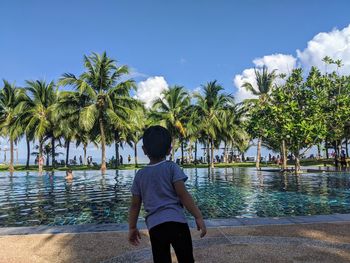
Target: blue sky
186 42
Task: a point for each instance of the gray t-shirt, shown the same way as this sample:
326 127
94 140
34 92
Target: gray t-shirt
154 183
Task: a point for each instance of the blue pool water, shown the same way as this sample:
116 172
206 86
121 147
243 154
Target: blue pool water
27 199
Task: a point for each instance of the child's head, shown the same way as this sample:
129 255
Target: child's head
156 142
69 171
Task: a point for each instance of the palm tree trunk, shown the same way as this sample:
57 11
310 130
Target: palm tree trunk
53 152
225 152
336 148
297 163
28 152
182 152
40 160
258 154
208 150
84 148
195 152
135 153
346 147
242 156
318 151
116 145
172 157
67 151
117 160
284 154
212 154
326 148
11 167
48 160
103 147
190 156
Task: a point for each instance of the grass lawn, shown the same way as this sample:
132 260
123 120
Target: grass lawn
304 162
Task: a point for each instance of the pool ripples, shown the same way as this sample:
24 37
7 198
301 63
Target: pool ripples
27 199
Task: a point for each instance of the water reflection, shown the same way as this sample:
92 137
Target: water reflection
92 197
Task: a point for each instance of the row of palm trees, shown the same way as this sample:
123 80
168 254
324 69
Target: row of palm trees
97 107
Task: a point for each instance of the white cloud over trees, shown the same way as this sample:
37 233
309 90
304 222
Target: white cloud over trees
151 89
335 44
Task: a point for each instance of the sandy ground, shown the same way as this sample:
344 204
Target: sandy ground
324 242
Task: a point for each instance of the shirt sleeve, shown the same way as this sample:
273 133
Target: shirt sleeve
178 174
135 188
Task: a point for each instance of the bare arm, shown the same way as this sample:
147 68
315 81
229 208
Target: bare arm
134 211
134 235
187 200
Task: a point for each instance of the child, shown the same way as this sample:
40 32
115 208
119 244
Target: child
69 174
160 186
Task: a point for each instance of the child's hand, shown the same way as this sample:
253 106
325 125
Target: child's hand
201 226
134 236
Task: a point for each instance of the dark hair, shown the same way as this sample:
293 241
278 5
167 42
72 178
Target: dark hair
157 141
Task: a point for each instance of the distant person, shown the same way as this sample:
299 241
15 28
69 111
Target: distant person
121 160
80 160
89 160
69 174
41 160
129 158
161 187
36 159
343 159
336 161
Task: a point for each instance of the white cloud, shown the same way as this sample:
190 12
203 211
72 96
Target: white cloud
150 89
247 75
335 44
280 62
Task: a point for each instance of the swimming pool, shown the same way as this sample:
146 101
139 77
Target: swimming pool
27 199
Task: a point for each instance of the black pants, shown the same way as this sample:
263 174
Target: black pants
175 234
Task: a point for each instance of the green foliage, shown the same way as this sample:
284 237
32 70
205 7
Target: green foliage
98 108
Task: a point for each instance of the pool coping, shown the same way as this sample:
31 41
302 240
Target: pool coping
211 223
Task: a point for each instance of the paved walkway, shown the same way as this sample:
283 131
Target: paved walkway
292 239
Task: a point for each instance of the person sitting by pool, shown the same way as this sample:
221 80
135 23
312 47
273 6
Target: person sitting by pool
69 174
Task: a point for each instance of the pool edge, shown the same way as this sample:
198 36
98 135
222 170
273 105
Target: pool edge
211 223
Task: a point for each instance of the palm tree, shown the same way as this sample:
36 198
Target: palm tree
193 131
10 97
37 111
232 128
170 109
264 84
120 115
211 109
68 108
100 80
138 124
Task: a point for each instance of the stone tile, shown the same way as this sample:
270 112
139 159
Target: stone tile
265 221
314 219
345 217
223 222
